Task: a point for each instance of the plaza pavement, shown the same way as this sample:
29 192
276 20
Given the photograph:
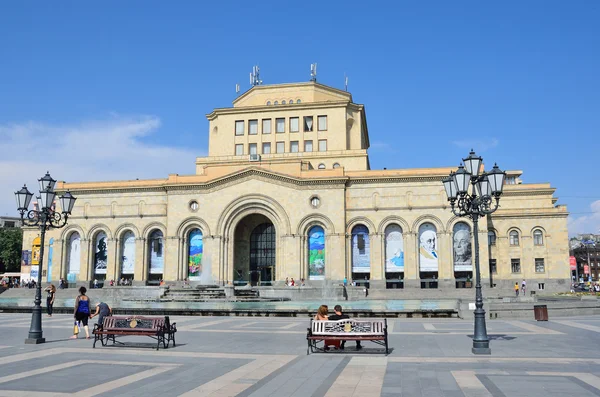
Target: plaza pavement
258 356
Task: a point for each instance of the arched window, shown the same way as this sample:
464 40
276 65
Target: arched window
336 165
538 237
155 253
100 253
461 248
298 101
491 237
514 238
283 102
195 252
316 253
128 253
291 101
74 255
428 253
321 166
276 103
361 250
268 103
394 249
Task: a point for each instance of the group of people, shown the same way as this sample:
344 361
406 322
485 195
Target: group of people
83 313
122 282
323 315
292 283
523 287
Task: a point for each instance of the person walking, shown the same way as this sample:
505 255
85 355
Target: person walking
523 287
51 289
517 289
82 312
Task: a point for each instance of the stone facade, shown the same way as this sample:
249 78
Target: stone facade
321 182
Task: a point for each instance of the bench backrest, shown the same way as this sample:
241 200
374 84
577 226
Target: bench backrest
349 326
133 322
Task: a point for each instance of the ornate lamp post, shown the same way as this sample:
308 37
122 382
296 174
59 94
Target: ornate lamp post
483 199
46 218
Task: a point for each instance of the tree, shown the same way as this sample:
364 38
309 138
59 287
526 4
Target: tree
11 242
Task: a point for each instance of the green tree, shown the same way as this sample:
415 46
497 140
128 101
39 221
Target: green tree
11 241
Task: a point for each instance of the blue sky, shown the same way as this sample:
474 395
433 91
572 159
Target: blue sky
120 89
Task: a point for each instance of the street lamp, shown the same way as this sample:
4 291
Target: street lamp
485 189
46 217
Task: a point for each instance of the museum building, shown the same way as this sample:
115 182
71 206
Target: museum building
287 191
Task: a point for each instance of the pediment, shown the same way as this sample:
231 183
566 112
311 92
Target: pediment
305 92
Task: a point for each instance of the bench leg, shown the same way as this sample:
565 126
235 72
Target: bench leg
173 338
95 340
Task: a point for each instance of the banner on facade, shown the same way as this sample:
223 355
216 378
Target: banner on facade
394 249
361 250
316 253
573 263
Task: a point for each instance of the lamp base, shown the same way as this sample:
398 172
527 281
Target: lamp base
481 350
35 341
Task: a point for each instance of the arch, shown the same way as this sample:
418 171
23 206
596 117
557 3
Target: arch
358 220
121 229
393 219
99 227
313 220
149 228
492 237
253 203
316 252
193 222
428 219
511 237
321 166
66 232
533 229
537 235
336 165
457 219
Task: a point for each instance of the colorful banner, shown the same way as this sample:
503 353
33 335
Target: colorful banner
25 258
128 256
394 249
316 253
195 252
361 250
428 256
461 248
573 263
35 270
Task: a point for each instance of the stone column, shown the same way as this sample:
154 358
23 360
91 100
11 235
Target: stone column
445 261
377 261
140 274
411 261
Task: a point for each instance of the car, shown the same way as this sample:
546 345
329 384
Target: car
581 287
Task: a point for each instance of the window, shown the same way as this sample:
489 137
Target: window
194 205
539 265
268 103
276 103
239 128
336 165
493 267
298 101
291 101
308 146
239 150
252 148
294 124
280 147
294 146
321 166
322 123
308 123
279 125
514 238
491 237
315 202
538 237
9 224
266 148
283 102
266 126
510 180
541 286
322 145
515 265
252 127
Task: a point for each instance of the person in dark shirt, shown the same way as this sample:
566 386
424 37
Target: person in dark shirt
341 316
102 310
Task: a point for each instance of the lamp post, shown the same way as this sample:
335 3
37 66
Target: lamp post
46 218
480 200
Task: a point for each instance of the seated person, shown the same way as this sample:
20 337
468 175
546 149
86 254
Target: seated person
340 316
322 315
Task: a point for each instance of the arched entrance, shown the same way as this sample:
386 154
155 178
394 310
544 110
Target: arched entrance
255 251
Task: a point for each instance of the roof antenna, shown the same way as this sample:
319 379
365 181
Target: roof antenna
313 72
346 81
237 88
255 76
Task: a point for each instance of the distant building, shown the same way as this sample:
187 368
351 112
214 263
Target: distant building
9 221
586 250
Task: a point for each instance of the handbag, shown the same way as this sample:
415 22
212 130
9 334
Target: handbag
75 328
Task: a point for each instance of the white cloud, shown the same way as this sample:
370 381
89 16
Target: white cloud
382 147
587 223
479 145
96 150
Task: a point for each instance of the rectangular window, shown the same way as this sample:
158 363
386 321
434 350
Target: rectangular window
493 267
491 238
308 123
239 128
322 145
280 125
252 127
322 123
541 286
294 146
252 148
539 265
308 146
294 124
266 126
280 147
239 150
266 148
515 265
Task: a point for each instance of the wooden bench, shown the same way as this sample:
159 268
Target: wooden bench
158 328
347 330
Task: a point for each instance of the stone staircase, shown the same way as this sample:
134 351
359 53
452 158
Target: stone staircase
198 294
